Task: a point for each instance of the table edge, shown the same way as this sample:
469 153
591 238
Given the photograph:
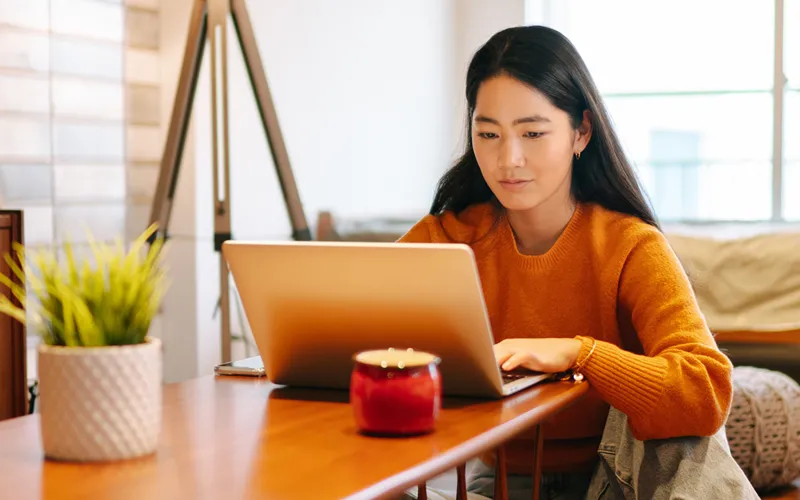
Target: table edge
470 449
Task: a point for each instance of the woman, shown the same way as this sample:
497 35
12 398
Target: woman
575 271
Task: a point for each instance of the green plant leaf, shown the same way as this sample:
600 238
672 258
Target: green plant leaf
15 266
16 289
6 307
110 303
70 337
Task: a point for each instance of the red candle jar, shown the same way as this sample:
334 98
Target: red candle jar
396 392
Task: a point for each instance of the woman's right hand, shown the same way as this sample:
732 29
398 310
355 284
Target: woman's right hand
549 355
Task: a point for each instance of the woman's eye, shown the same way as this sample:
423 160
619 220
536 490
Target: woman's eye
533 135
487 135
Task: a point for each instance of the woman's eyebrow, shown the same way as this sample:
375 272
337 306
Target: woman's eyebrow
525 119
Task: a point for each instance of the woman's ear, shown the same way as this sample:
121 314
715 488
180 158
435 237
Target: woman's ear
584 132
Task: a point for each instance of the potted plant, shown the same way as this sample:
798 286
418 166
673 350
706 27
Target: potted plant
99 371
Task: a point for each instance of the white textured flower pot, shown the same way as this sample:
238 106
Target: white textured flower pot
100 403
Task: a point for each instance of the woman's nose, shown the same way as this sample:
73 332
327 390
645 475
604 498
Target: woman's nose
511 155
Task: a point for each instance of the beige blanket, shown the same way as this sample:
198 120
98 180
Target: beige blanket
745 284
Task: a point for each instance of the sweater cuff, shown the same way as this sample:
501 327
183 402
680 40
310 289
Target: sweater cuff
586 349
632 383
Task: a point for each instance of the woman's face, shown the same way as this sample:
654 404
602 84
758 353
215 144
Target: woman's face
524 144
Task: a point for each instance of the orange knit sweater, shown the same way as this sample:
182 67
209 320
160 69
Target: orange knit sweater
612 278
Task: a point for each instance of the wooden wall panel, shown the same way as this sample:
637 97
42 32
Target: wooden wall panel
13 376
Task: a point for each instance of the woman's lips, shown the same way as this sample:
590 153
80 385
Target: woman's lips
515 184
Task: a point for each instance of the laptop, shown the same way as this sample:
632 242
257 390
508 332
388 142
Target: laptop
313 305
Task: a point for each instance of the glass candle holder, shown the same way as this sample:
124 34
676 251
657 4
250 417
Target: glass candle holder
396 392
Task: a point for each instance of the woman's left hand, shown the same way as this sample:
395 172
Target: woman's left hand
541 355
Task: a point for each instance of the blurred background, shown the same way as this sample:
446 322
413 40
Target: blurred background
705 95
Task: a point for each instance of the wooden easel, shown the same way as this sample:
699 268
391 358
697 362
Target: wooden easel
208 22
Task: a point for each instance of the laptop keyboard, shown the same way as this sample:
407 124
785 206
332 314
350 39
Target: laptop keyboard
511 376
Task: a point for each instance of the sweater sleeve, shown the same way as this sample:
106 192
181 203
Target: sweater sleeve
682 385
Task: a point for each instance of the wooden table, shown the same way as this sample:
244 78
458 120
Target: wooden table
235 438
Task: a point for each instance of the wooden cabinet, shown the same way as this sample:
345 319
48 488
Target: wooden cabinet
13 376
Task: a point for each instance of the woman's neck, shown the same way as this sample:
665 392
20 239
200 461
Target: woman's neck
537 229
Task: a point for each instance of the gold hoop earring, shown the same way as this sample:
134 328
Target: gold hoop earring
577 155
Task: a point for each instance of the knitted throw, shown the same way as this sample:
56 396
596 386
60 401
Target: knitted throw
764 426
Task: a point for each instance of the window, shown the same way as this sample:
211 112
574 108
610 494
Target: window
79 92
692 98
675 169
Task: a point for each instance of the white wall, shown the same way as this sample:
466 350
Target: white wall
476 22
362 90
368 94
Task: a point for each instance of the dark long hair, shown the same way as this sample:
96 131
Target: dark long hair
546 60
